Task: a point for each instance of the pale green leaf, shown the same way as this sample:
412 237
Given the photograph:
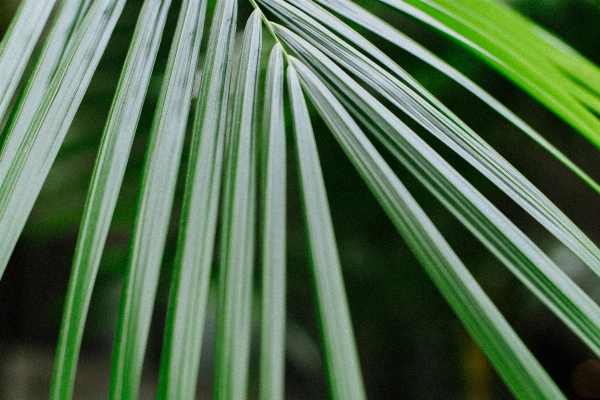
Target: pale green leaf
194 255
514 362
51 102
17 46
341 358
38 82
104 189
519 254
154 205
273 196
238 232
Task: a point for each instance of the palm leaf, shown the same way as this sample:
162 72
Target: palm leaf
17 46
517 55
155 202
341 358
104 189
27 156
491 227
347 79
273 196
526 378
191 276
378 26
447 127
237 235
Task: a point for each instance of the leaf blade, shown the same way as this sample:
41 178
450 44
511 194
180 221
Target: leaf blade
159 177
432 115
539 78
513 360
194 256
514 249
237 235
104 189
27 156
341 357
17 45
376 25
272 361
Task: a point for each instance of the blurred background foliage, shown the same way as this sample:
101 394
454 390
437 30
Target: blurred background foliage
410 343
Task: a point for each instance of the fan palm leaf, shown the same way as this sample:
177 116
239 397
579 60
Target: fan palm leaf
236 177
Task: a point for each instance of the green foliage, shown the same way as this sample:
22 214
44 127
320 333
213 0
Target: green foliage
235 196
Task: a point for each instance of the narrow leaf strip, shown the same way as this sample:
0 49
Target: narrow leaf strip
44 118
583 70
376 25
587 98
341 358
519 254
511 358
156 198
83 9
420 105
237 236
104 189
37 85
17 46
272 345
194 255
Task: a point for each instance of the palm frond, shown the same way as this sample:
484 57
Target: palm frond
238 231
237 175
18 44
520 255
516 52
378 26
502 345
273 195
447 127
338 339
